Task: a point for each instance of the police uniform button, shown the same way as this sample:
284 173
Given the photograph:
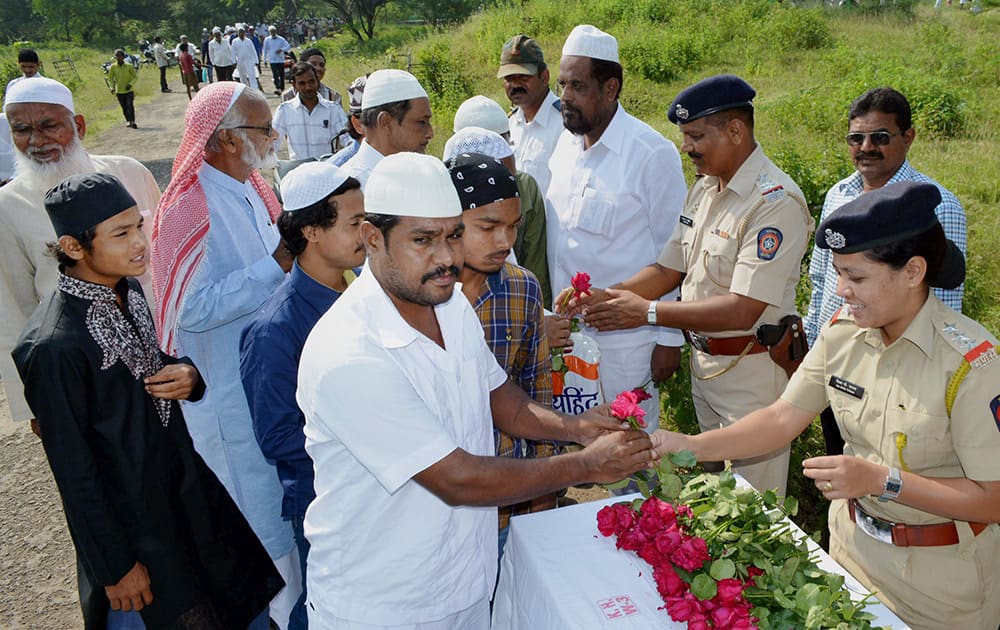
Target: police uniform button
877 413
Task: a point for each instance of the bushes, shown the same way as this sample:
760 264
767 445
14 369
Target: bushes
664 56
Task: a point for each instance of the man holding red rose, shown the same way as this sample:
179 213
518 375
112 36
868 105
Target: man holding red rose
400 394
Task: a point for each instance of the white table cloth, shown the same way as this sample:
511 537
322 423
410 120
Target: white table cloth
558 572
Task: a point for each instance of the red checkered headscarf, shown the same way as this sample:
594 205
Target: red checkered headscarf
181 223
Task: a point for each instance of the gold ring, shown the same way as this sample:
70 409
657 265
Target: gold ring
827 487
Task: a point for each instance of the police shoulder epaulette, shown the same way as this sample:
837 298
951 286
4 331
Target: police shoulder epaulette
770 190
976 350
842 314
512 112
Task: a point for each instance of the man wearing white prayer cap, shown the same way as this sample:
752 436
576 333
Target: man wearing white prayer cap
529 249
321 227
396 116
615 195
47 134
482 111
397 386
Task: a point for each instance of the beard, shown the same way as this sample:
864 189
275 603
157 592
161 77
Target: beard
252 158
73 160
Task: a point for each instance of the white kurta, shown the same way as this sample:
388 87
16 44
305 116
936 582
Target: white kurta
245 54
28 274
535 141
383 402
361 165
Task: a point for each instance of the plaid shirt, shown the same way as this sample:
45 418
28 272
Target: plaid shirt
824 301
510 308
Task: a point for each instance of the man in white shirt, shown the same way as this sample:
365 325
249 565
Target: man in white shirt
28 62
162 62
246 58
396 116
275 47
221 54
398 388
311 123
536 122
616 193
6 152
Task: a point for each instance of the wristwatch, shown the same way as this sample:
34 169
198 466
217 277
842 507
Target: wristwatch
651 313
893 485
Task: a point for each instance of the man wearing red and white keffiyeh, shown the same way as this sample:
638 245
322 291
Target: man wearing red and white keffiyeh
216 256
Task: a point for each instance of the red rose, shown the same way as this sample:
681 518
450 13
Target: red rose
668 540
649 525
730 590
607 520
651 554
664 511
698 622
641 394
683 607
723 617
691 554
626 517
631 540
668 583
581 284
625 407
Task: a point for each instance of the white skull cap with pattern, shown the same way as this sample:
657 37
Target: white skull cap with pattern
477 140
310 182
411 185
589 41
481 111
39 90
391 86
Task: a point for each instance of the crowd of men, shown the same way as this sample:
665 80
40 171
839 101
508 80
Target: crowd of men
364 411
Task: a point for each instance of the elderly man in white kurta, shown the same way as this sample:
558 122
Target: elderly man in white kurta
616 194
47 135
245 55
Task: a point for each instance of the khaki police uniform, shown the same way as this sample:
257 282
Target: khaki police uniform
879 395
748 239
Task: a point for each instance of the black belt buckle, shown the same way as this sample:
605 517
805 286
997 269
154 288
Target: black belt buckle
699 342
872 525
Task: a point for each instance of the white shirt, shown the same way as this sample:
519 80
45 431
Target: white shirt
610 209
535 141
309 133
382 403
244 52
274 49
361 165
6 150
220 53
160 54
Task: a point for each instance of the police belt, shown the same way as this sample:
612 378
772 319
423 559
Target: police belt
725 346
902 535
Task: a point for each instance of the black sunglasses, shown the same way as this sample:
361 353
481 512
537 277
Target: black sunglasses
878 138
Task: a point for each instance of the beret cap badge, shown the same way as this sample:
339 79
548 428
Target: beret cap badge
681 112
834 239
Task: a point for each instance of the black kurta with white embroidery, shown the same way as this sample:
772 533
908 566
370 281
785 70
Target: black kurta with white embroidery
133 487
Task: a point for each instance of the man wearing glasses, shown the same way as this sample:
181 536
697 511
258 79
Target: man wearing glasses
880 133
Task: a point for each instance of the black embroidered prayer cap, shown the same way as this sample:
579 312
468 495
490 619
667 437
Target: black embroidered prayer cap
80 202
480 180
710 96
888 215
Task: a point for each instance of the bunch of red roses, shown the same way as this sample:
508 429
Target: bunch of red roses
681 567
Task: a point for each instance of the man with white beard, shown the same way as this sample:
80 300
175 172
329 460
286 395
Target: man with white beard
217 256
47 134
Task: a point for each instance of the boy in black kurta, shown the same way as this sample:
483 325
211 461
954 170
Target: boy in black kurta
154 529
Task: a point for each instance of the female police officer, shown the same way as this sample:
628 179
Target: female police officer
915 388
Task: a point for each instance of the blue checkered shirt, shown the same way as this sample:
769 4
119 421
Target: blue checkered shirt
825 301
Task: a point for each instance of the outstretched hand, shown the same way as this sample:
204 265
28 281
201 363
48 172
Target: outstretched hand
666 442
845 476
617 455
595 422
620 310
566 304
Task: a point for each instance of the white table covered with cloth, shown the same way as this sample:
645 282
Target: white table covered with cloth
559 573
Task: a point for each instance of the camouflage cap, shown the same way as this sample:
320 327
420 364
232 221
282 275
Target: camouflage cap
520 55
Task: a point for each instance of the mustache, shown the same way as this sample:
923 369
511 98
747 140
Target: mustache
694 155
440 272
518 90
874 155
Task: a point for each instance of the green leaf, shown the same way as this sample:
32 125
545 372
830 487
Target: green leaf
704 587
770 499
807 597
791 505
783 600
671 486
617 485
558 364
722 569
684 459
788 570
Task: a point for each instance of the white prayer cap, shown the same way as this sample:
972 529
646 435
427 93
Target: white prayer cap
411 185
391 86
216 29
480 111
39 90
309 183
589 41
477 140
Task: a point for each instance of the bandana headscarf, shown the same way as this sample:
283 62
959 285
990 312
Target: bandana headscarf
181 223
481 180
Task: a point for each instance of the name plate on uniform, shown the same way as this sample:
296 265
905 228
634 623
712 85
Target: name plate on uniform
847 387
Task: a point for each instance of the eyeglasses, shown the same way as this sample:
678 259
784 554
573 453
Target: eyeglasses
878 138
267 130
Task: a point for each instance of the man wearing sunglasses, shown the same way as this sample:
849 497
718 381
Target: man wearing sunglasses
879 135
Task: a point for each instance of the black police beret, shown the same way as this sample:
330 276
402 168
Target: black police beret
80 202
710 96
888 215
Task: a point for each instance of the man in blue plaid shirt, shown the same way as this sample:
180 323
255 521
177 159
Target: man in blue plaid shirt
879 136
